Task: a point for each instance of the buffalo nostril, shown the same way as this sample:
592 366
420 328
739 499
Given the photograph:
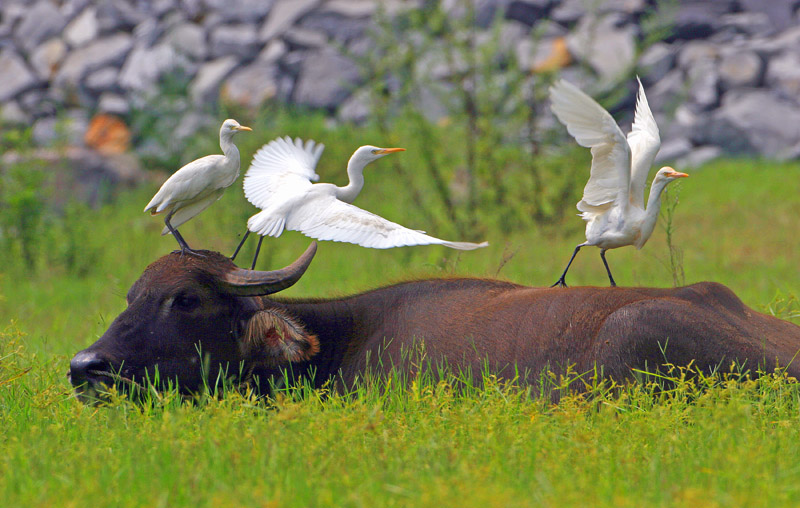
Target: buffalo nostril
85 363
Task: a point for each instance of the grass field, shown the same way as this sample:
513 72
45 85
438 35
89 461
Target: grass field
711 442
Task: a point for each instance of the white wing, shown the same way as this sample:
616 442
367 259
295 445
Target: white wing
278 164
644 142
593 127
193 180
326 218
189 210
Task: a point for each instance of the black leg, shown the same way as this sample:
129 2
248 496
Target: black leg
603 255
236 252
181 242
258 248
561 280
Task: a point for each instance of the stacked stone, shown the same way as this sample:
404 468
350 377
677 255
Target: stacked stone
724 79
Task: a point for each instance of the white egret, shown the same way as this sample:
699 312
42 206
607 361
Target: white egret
195 186
279 181
613 199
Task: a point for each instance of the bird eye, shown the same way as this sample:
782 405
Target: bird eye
185 302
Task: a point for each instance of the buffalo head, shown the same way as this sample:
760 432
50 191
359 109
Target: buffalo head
192 318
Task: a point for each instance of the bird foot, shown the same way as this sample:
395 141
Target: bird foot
560 283
187 250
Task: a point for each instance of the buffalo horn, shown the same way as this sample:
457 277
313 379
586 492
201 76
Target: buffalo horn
241 282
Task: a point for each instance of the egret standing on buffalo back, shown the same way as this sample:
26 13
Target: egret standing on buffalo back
195 186
613 199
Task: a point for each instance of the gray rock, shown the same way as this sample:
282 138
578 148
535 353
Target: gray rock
656 61
609 49
672 149
251 86
695 52
10 15
350 8
46 58
147 32
356 108
188 39
283 15
273 51
146 65
746 23
703 81
567 12
113 103
335 26
113 15
44 131
83 28
240 11
699 157
666 93
326 79
528 12
12 113
239 40
40 22
103 52
754 122
698 19
740 69
16 76
781 13
304 38
40 103
783 74
102 80
204 88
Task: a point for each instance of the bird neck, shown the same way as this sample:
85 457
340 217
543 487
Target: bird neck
355 174
228 148
653 207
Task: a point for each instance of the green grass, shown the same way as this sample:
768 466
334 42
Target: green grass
705 443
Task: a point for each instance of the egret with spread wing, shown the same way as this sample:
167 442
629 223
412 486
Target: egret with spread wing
279 181
195 186
613 199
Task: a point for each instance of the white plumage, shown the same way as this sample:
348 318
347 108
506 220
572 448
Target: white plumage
613 199
195 186
279 181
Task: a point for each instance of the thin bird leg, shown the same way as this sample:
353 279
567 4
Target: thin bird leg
603 255
181 242
561 281
258 248
236 252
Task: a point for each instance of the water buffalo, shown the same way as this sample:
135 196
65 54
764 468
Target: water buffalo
189 315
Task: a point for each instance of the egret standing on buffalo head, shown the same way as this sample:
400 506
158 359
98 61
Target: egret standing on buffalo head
195 186
613 199
279 181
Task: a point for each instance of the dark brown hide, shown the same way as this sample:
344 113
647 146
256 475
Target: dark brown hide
179 312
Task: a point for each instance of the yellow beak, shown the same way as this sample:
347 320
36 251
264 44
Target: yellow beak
389 150
243 128
677 174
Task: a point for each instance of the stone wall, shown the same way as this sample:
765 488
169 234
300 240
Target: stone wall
725 77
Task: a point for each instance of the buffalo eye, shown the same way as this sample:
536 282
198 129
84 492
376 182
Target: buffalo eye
185 302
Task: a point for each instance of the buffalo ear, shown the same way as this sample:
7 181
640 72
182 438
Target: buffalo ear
272 338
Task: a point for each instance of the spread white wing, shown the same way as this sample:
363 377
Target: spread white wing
279 167
593 127
326 218
644 142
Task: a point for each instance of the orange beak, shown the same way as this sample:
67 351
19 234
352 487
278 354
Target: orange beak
677 174
389 150
243 128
